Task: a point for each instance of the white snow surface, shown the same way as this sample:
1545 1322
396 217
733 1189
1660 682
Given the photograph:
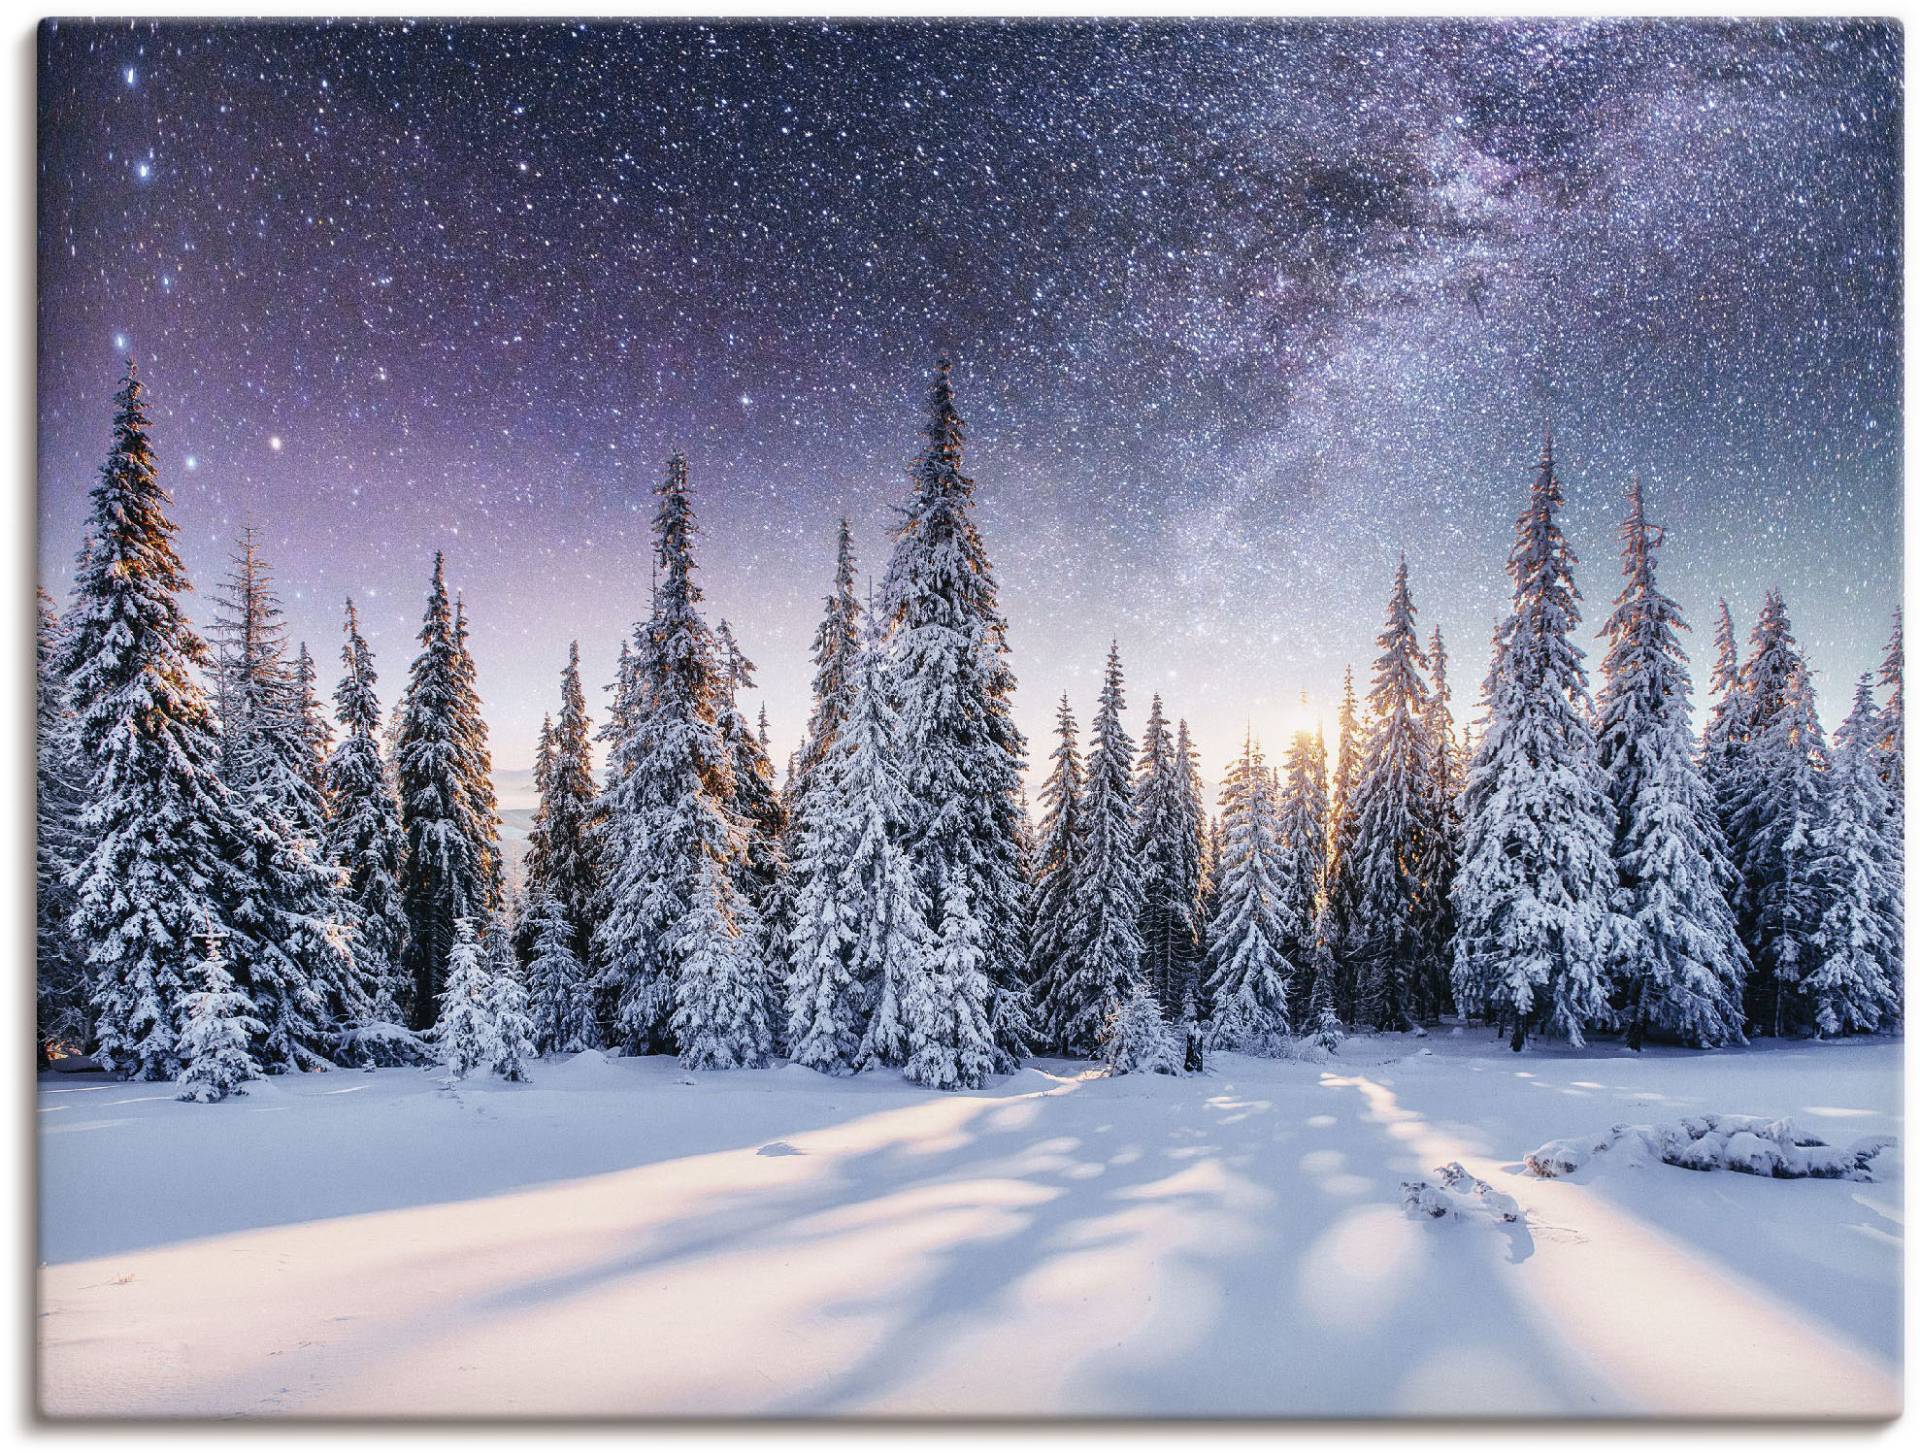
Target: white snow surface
623 1236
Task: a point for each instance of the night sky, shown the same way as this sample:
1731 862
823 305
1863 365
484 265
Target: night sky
1237 314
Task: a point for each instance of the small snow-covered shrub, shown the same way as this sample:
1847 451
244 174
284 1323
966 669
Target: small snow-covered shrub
384 1044
1749 1144
1458 1194
1138 1040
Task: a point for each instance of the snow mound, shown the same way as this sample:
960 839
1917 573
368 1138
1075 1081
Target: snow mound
1750 1144
1459 1195
383 1044
779 1147
588 1070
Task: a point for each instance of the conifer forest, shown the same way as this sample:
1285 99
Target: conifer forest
579 795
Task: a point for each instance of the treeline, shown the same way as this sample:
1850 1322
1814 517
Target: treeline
223 885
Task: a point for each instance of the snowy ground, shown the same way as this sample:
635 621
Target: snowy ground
627 1237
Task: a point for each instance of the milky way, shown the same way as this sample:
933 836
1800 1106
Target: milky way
1238 313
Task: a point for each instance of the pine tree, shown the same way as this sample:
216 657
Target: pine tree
464 1026
1168 848
1724 739
1199 829
1890 745
451 864
761 868
1535 888
1853 984
561 1001
1394 806
61 1020
1104 968
1137 1040
363 830
944 1002
1778 801
1322 1021
1250 972
217 1025
314 737
962 753
677 946
479 807
506 1006
836 654
563 849
1301 866
1054 942
159 834
1678 962
1441 862
1342 888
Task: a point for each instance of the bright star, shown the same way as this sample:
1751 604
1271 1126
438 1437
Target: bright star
131 75
274 443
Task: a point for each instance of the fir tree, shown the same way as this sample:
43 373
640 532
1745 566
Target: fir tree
761 867
1678 963
1342 889
61 1020
1778 801
507 1008
1394 806
451 862
1441 861
1890 745
218 1024
1248 987
1054 941
479 807
1535 888
1168 849
1301 867
1136 1038
563 847
961 751
1853 985
560 987
1724 739
1322 1022
677 946
363 830
836 653
464 1027
1104 968
945 999
1193 804
159 834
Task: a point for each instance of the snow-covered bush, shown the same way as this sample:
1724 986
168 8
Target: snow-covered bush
1138 1040
1750 1144
1459 1194
213 1042
465 1027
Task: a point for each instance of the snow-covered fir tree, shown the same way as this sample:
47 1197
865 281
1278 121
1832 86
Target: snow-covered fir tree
1679 968
1104 967
451 860
1853 984
678 945
1890 744
1138 1040
217 1025
563 847
464 1027
159 835
1534 893
1778 801
1322 1022
1054 937
315 736
836 653
479 808
1301 869
1395 811
945 1006
1724 738
1442 858
1193 803
761 814
363 833
1341 891
1169 856
859 940
1249 971
62 1023
561 1003
507 1006
962 753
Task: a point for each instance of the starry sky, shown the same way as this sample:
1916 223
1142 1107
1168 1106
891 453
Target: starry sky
1238 312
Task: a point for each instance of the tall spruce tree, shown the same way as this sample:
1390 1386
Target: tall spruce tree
963 755
61 1019
363 834
451 865
1342 890
1679 968
1778 801
836 654
1395 807
678 946
563 1015
1301 866
563 850
1853 984
1890 744
1169 855
1249 969
479 807
1055 941
160 837
1534 894
757 808
1441 862
1104 969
